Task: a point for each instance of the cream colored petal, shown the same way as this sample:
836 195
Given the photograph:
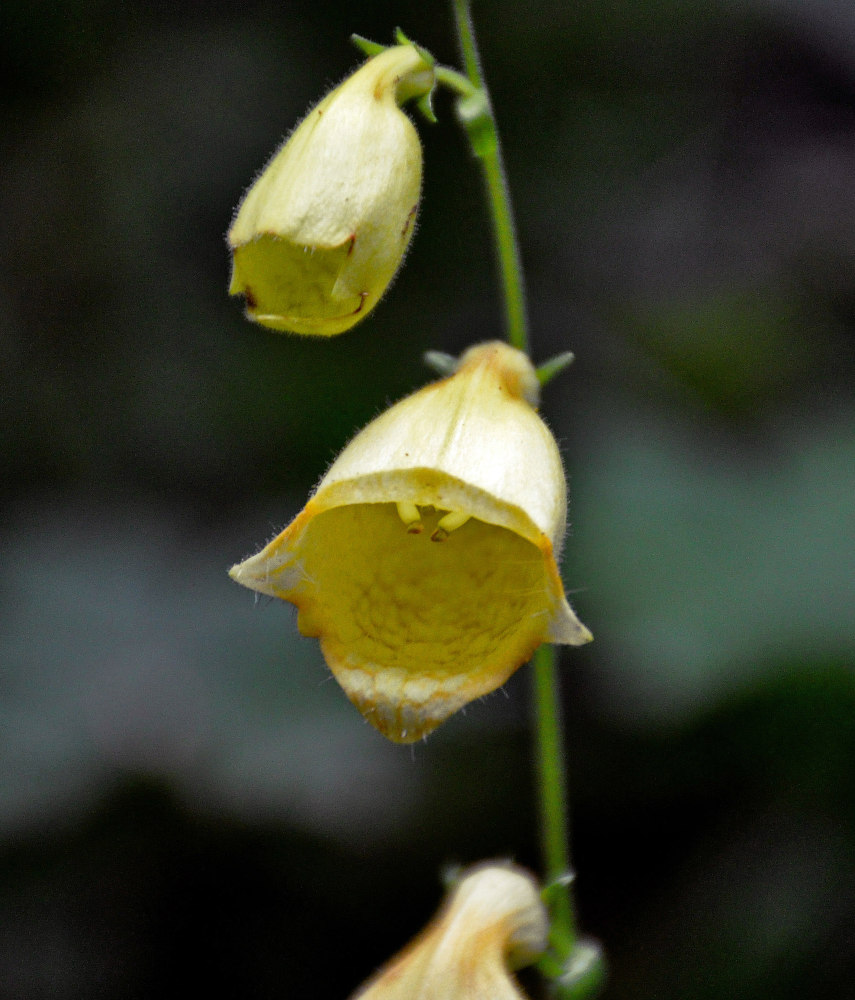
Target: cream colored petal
355 153
276 570
275 578
425 560
493 921
566 629
475 427
320 234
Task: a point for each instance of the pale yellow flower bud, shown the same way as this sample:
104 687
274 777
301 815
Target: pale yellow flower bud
320 234
425 560
494 921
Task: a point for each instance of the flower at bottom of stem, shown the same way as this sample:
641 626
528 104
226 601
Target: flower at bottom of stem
492 922
425 561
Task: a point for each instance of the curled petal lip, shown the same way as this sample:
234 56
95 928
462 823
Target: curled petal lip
271 319
412 628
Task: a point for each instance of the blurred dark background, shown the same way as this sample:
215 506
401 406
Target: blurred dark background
187 805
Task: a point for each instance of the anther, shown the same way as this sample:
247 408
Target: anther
409 514
447 523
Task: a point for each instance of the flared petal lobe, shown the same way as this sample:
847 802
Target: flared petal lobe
493 922
321 233
425 560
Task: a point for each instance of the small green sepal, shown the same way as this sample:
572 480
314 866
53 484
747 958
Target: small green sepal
424 103
554 366
402 39
442 363
425 107
366 46
558 886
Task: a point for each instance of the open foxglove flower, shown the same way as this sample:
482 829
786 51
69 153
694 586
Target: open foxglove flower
425 561
321 233
493 922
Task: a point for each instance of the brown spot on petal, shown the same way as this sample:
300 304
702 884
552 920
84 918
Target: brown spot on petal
409 220
362 297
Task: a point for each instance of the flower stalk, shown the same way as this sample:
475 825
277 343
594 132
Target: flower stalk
574 968
476 114
414 630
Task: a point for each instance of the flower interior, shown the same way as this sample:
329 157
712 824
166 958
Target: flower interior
291 287
419 610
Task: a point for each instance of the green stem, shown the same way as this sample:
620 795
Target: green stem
552 789
489 151
477 115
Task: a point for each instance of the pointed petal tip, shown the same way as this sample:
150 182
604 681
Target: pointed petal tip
243 575
566 629
247 573
266 575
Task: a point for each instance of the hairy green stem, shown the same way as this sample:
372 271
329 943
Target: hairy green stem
489 151
552 788
477 116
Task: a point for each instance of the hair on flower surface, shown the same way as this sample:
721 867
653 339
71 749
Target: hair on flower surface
319 236
425 560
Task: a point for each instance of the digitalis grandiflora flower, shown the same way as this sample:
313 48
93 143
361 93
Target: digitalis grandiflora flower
493 922
425 560
321 233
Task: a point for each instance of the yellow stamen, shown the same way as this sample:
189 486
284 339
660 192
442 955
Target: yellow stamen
409 514
449 522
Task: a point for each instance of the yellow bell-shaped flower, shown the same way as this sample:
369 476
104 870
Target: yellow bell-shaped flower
321 233
493 922
425 560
